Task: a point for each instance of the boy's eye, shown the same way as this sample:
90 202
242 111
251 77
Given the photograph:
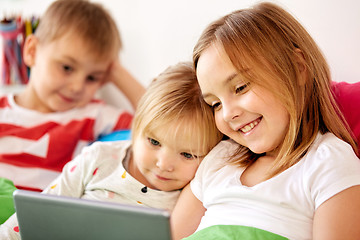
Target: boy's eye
188 155
67 68
153 142
92 79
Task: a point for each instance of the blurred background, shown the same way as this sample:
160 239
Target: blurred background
159 33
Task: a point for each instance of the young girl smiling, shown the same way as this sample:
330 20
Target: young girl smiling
289 169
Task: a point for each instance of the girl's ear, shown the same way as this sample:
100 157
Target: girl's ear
29 52
300 60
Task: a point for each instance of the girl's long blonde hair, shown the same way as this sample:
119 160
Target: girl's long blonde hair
269 40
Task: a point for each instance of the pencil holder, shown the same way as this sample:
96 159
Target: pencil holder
14 70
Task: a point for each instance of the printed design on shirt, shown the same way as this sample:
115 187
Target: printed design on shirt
95 171
123 176
16 229
72 169
34 147
144 189
124 121
52 141
111 195
4 103
53 186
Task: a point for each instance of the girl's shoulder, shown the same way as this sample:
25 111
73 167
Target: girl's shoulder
224 147
329 167
218 156
328 144
108 147
99 152
329 153
223 150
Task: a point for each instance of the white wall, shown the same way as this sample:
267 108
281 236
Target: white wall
158 33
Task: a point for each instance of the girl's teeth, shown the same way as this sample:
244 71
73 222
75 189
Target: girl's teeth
249 127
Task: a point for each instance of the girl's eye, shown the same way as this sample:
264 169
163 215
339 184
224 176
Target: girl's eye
214 106
153 142
188 155
241 88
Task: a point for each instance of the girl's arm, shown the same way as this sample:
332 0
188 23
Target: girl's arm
339 216
186 215
126 83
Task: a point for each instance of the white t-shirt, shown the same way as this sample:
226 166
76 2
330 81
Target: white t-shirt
284 204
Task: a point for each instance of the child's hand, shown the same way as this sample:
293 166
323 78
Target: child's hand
115 72
125 82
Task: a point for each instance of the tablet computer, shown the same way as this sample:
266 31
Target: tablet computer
43 216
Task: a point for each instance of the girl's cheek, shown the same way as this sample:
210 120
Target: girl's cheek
219 121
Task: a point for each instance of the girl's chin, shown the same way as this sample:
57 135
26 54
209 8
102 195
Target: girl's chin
257 150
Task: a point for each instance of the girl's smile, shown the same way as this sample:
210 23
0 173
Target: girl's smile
244 111
246 129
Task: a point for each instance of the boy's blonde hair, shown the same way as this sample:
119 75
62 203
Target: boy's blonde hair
267 41
174 98
89 21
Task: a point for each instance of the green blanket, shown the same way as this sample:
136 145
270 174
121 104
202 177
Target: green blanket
6 199
231 232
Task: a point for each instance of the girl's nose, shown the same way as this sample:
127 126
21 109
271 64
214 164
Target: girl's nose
230 111
165 162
